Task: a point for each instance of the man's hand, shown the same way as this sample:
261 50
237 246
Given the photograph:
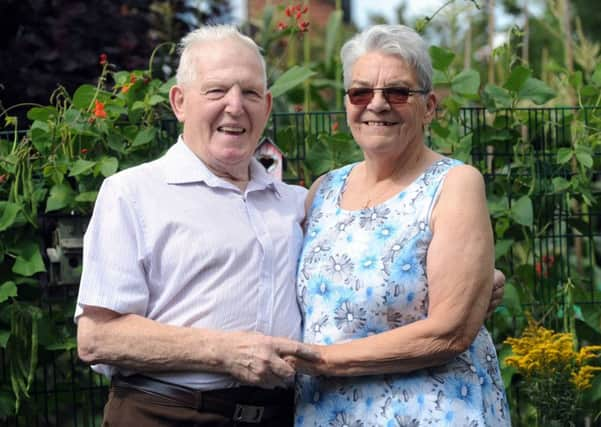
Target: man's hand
498 289
259 359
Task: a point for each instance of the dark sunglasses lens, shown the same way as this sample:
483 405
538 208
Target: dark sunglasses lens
396 95
360 96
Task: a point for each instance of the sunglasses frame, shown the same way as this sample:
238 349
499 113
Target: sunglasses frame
386 93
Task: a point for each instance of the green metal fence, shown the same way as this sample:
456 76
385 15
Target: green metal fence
67 393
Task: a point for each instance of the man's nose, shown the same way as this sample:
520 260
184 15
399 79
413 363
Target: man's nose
234 100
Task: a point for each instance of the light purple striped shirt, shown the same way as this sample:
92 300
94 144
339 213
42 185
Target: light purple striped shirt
171 241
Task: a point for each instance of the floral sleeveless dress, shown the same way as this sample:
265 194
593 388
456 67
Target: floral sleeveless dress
363 272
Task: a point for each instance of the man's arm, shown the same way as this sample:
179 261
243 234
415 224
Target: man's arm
498 289
134 342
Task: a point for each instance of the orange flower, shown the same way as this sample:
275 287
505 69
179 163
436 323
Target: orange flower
103 59
99 109
126 88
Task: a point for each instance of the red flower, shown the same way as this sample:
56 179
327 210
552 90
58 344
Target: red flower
299 15
301 183
303 26
3 178
335 126
84 151
289 11
298 108
539 269
99 109
298 7
132 78
103 59
282 26
305 9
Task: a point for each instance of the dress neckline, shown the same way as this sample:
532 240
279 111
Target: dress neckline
385 202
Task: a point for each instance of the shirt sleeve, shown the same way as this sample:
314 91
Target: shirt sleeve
113 274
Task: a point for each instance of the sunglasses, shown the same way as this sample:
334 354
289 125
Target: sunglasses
393 95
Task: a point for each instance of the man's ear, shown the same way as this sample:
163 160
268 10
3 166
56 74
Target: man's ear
176 99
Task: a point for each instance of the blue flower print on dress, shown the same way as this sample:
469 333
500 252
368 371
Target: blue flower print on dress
363 272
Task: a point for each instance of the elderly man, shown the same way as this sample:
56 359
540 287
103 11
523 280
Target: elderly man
189 260
187 299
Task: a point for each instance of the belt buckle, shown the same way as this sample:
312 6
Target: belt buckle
248 414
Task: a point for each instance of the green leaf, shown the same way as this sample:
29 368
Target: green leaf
4 335
517 78
496 97
576 79
83 96
319 159
88 196
332 37
81 167
584 155
144 136
157 99
29 260
441 58
7 290
166 87
522 211
108 165
121 78
290 79
502 247
138 105
560 184
564 155
537 91
466 82
42 114
511 298
584 159
596 78
60 197
9 214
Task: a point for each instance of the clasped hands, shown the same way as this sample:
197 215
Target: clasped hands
272 362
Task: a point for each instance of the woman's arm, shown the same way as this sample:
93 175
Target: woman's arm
460 276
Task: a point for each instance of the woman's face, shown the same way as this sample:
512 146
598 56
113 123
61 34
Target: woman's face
381 127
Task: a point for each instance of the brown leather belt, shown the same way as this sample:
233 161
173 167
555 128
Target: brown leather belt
242 404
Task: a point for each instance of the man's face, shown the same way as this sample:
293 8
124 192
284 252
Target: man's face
225 109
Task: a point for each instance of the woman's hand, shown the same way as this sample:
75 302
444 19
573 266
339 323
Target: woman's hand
310 367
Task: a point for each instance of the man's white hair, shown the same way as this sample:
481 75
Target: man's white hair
186 70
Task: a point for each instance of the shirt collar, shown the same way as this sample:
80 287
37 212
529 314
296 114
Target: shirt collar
182 166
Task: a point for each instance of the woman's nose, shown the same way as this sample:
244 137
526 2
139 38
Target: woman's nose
378 102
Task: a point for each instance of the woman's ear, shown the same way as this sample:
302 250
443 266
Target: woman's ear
431 104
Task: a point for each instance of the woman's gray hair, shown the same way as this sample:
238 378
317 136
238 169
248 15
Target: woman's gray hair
186 70
398 40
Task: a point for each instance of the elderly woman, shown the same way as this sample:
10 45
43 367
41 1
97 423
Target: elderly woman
396 272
